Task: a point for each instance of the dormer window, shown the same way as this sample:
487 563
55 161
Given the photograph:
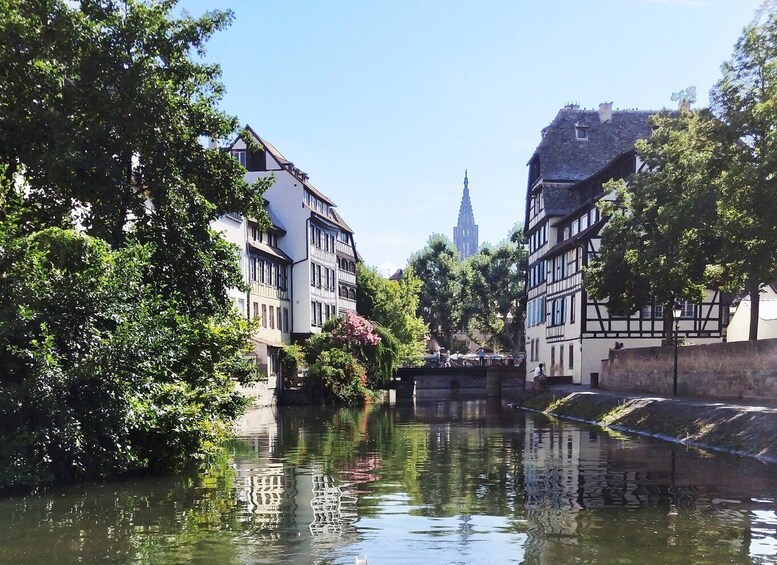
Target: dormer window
581 132
240 155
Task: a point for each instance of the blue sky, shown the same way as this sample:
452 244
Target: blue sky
385 104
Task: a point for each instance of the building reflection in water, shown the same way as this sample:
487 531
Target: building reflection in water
568 492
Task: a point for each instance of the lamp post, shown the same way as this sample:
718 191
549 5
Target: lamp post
676 313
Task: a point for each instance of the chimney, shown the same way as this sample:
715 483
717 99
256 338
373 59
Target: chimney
605 112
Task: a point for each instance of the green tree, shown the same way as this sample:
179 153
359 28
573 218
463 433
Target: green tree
745 100
118 342
492 290
660 242
104 111
393 305
100 375
350 358
437 265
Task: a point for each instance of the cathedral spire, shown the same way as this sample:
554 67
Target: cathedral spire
465 234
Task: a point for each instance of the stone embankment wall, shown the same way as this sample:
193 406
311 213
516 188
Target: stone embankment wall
744 369
742 430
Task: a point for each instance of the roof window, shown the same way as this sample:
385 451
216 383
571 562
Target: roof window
581 132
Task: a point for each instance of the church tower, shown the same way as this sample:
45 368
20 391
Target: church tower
465 234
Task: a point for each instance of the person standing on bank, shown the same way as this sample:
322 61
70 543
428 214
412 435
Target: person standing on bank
539 376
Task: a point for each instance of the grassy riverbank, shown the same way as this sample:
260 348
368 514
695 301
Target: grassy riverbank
741 429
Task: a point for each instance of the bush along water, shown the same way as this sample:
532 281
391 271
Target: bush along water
349 359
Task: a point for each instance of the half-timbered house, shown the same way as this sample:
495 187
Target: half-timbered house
566 329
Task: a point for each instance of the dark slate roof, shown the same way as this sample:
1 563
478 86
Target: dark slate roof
565 158
559 200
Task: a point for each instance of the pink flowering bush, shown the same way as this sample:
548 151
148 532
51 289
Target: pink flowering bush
353 330
371 348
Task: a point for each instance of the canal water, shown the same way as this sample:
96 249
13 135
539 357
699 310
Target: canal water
454 482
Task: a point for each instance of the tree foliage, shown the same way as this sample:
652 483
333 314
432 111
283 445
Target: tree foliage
100 375
104 111
705 212
660 242
492 290
745 101
437 265
393 305
350 358
119 346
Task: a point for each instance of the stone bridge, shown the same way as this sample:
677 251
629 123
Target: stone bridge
455 382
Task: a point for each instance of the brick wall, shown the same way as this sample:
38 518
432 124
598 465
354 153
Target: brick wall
745 369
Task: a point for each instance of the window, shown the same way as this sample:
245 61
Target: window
285 320
320 312
688 309
264 315
318 276
240 155
575 227
581 132
557 314
256 310
655 311
272 317
561 356
571 356
313 314
278 310
571 311
312 274
552 356
559 265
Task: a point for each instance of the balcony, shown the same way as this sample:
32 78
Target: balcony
346 277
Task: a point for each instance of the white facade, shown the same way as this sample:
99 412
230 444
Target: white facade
739 327
316 238
232 228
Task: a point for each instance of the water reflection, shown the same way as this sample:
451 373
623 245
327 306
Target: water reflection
455 482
